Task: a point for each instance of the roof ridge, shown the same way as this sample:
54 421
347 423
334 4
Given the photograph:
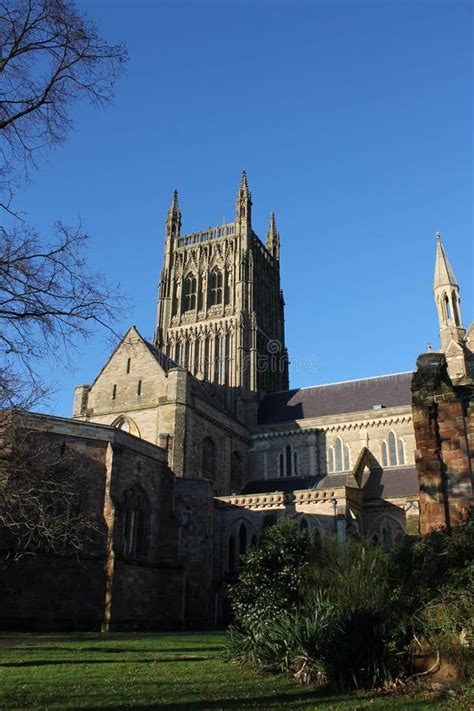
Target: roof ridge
342 382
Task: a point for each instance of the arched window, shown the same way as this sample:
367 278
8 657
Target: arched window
228 282
186 353
288 460
208 459
232 561
295 463
189 300
254 540
393 453
123 425
457 320
387 531
347 458
392 448
401 452
215 287
303 525
235 472
282 468
242 539
338 444
126 424
447 307
197 364
331 459
206 364
339 457
136 518
219 359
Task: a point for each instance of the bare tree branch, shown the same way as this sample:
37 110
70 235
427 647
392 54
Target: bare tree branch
51 57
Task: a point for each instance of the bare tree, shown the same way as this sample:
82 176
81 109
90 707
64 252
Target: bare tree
51 56
44 486
47 300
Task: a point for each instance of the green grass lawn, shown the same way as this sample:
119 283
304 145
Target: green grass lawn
162 671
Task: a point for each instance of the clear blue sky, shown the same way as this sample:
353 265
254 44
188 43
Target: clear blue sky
354 122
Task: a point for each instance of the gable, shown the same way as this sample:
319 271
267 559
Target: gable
132 375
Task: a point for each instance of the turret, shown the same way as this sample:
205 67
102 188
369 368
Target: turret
173 218
273 238
446 293
243 203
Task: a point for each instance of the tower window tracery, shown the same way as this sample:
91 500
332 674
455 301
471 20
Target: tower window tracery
288 462
190 293
216 287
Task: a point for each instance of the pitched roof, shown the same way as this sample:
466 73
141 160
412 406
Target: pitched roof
391 483
165 362
378 484
336 398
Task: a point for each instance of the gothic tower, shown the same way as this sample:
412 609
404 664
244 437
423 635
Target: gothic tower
446 293
220 307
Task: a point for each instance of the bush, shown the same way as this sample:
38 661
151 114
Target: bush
274 575
352 617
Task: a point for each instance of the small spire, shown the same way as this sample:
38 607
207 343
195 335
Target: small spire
244 188
175 202
444 275
272 230
273 238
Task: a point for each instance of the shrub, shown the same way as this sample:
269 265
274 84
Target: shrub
274 575
352 616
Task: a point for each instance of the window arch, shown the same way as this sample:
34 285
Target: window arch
126 424
386 530
136 519
455 301
215 291
331 459
189 299
447 308
208 458
304 525
339 456
393 451
288 461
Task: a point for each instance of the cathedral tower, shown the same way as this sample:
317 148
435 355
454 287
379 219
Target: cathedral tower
220 307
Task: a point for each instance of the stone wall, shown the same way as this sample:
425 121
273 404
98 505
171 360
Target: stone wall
443 417
104 585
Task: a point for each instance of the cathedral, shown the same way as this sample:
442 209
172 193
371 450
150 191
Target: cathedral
199 444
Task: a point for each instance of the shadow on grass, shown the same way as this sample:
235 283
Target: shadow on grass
119 650
73 662
299 699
